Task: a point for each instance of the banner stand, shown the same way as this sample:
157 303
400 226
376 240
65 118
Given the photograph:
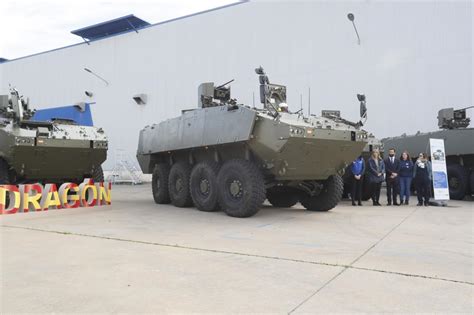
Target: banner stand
439 172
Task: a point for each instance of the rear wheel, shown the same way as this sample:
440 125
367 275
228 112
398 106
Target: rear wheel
458 181
159 183
203 186
282 197
328 198
241 188
178 185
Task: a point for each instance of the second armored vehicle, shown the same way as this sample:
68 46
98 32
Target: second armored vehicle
459 149
227 156
48 146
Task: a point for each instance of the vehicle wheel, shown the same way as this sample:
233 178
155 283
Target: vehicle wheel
282 197
458 181
178 185
472 182
328 198
159 183
241 188
203 186
4 179
98 175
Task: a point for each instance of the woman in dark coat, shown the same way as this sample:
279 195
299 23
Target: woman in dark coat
376 170
422 178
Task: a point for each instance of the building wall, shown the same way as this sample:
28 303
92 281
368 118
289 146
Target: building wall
414 58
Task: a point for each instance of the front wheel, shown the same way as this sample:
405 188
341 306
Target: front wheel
328 198
241 188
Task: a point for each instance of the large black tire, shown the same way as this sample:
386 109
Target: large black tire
178 185
159 183
328 198
283 197
203 186
4 179
458 181
241 188
98 175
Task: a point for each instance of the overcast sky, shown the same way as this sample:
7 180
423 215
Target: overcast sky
32 26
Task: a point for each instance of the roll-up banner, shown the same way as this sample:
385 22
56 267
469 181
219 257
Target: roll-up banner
438 169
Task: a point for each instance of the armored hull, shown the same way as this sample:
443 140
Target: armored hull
51 157
286 149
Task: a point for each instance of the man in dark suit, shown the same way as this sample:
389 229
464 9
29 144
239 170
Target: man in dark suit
392 168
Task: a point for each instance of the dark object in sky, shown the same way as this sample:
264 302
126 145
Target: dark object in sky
351 18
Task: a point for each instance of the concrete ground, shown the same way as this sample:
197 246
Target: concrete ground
135 256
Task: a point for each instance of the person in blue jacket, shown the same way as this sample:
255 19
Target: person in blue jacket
422 178
405 177
376 171
357 170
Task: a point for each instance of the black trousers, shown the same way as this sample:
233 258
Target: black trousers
423 189
375 189
356 192
393 189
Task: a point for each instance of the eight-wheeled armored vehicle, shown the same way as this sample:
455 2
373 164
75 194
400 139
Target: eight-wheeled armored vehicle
224 155
459 149
48 146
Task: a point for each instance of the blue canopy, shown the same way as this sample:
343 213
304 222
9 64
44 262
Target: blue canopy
112 27
73 113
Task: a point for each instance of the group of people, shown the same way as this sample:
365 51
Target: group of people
398 174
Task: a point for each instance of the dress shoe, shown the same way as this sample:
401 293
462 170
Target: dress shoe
396 204
359 204
378 204
406 202
426 204
354 204
389 203
419 204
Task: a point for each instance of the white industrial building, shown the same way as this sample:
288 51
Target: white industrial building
413 59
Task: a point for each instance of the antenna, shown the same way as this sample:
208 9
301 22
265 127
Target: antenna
309 101
351 18
253 99
301 102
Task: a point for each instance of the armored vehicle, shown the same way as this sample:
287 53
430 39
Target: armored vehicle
48 146
459 149
228 156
